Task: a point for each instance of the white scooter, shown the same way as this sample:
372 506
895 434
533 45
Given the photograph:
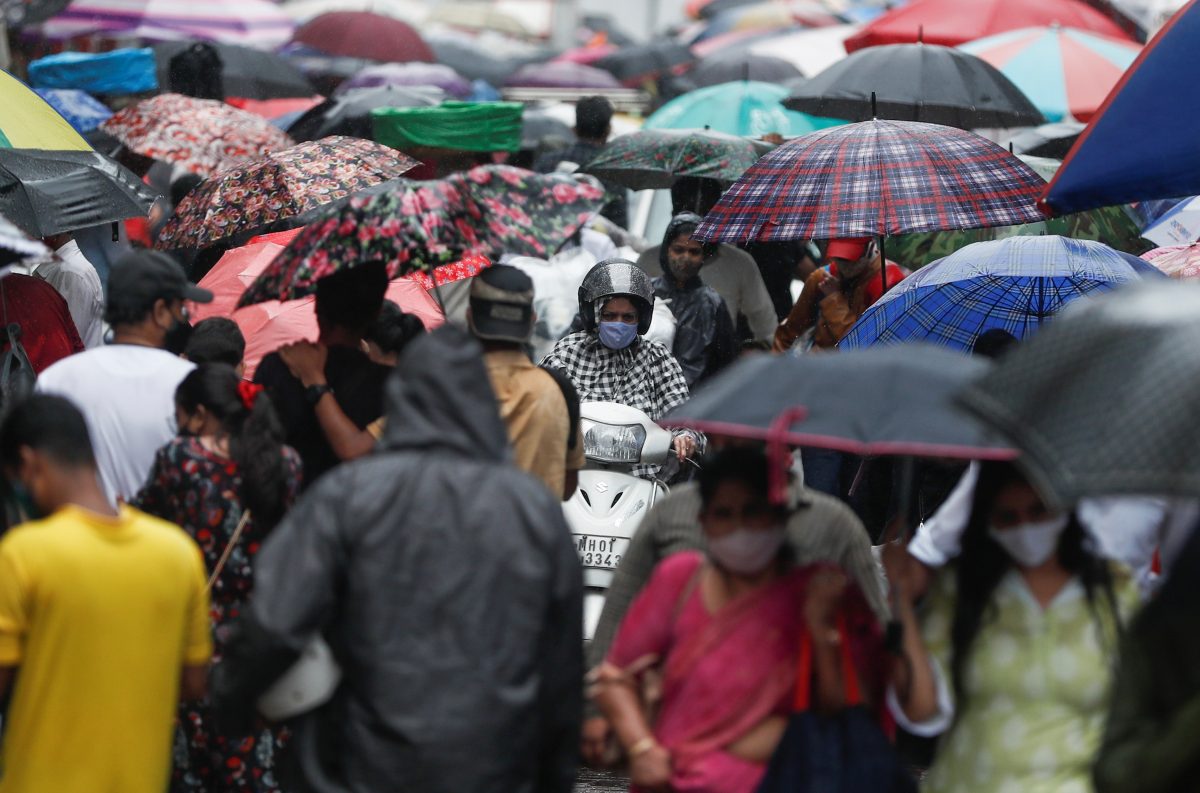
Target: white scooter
610 503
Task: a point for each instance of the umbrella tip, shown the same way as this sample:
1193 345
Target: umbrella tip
920 34
874 110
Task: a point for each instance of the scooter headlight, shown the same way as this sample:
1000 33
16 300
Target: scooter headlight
614 443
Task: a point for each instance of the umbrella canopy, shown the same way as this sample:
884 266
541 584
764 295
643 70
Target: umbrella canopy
562 74
1112 163
52 192
362 34
653 159
477 16
810 51
82 111
916 82
954 22
253 23
411 11
543 125
725 68
16 245
409 75
350 113
1066 73
875 178
1100 402
245 72
281 185
1014 284
201 135
487 211
738 108
587 54
902 397
1049 140
474 62
1177 261
631 65
268 326
774 14
1180 225
29 122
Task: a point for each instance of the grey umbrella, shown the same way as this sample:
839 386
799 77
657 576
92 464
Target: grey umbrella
1101 401
916 82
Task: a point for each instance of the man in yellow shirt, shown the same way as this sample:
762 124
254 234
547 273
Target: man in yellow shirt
103 620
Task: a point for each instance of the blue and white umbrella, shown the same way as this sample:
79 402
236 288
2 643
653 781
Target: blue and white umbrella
81 110
1014 284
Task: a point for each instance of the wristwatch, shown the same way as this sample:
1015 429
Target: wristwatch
313 393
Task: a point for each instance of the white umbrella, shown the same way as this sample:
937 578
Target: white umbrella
811 51
1179 226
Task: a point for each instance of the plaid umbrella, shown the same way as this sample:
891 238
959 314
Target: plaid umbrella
875 178
653 159
1101 402
202 135
281 185
1014 284
487 211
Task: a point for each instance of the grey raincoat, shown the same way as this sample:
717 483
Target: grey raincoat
446 582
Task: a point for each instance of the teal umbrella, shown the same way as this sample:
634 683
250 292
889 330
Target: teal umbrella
745 107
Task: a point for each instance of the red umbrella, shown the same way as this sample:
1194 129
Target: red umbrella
954 22
362 34
268 326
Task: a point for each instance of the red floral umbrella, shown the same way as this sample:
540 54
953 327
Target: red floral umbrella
281 185
488 211
201 135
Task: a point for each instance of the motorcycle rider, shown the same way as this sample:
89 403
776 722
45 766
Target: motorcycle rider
609 361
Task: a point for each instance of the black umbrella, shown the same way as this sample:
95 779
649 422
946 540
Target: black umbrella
916 82
51 192
710 10
245 72
350 113
724 68
645 60
540 127
1048 140
474 63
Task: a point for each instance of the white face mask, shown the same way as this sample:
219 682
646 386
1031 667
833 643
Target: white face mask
1031 544
747 551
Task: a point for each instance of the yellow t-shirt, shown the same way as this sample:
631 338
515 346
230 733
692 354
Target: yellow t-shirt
99 614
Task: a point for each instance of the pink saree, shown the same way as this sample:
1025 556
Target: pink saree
724 673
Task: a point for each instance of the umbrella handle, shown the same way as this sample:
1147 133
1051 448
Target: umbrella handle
777 452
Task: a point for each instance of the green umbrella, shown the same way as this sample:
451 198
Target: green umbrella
745 107
653 159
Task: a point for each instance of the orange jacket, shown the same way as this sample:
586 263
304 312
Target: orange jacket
833 315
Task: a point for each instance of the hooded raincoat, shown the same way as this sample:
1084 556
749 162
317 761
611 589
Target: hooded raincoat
447 585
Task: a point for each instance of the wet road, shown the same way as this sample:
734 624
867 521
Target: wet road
600 782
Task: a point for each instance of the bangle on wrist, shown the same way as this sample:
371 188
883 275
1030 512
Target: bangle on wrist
641 747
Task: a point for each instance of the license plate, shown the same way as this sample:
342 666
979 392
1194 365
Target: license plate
600 552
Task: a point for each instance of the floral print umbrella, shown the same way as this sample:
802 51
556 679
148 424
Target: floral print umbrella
488 211
652 159
201 135
280 185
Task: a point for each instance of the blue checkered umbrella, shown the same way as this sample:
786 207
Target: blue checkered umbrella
1014 284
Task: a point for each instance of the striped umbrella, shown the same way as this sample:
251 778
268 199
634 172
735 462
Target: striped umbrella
253 23
1065 72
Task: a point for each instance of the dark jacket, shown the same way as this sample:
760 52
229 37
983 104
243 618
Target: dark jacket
448 587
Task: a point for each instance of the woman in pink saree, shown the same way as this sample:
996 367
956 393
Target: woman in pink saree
725 629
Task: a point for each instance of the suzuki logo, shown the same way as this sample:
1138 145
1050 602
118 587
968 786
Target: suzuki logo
602 487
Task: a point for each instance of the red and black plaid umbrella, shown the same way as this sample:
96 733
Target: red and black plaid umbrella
875 178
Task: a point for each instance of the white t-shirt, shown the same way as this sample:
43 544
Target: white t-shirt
127 395
78 282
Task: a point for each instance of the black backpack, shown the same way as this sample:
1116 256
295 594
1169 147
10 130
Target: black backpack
197 72
17 376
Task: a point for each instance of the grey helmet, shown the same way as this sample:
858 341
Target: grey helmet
613 278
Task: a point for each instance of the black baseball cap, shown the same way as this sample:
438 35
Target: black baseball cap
502 304
140 278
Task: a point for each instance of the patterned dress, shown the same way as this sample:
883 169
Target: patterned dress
197 489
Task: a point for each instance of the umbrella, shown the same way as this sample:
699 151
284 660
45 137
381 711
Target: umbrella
268 326
1180 225
725 68
82 111
276 109
653 159
1049 140
350 113
1177 261
477 16
245 72
875 178
16 245
810 51
1100 402
281 185
562 74
254 23
1015 284
410 11
409 75
744 107
770 15
916 82
540 126
632 65
474 62
487 211
1066 73
51 192
587 54
362 34
29 122
902 402
954 22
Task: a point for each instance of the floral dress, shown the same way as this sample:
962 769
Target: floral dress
197 489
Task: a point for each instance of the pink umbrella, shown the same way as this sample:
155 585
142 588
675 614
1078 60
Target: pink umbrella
1177 261
586 55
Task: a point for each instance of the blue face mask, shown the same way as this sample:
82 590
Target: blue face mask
617 335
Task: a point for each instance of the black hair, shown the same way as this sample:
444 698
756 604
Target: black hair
993 343
48 424
983 564
747 465
184 185
593 117
393 329
351 298
255 437
695 194
216 340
